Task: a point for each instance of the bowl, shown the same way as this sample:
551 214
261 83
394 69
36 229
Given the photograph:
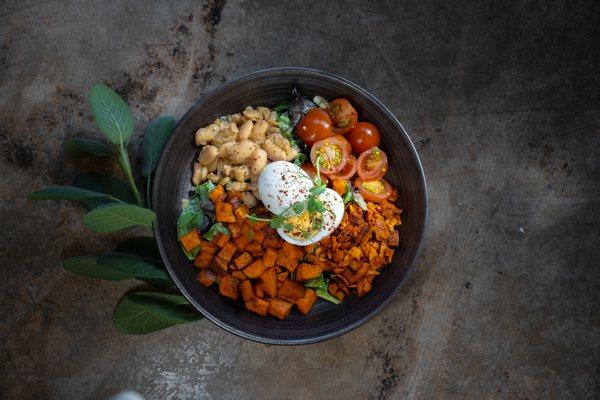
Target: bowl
172 183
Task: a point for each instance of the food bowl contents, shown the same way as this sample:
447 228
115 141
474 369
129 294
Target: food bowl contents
290 205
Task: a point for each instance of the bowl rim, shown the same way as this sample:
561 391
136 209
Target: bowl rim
263 73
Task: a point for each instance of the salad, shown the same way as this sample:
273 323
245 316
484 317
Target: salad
290 205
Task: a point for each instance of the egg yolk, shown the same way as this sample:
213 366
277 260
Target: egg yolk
303 224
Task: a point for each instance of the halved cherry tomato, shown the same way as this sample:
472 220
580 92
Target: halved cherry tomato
377 190
363 136
343 116
348 171
372 164
333 153
312 172
314 126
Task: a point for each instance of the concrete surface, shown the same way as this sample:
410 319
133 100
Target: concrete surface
502 101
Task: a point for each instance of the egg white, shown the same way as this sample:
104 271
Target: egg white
331 220
282 184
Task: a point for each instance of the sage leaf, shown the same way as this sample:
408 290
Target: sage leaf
111 113
320 284
103 184
155 138
133 265
114 217
145 312
68 193
87 266
141 245
79 148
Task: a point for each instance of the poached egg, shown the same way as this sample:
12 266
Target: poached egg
282 185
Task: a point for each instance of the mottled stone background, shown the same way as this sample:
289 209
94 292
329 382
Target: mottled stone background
502 102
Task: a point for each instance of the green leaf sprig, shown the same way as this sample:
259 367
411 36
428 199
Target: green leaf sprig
320 284
114 205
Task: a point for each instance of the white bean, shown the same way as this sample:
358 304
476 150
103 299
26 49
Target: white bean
224 136
252 114
206 134
245 130
214 178
258 161
242 151
197 174
259 130
237 186
207 155
240 172
249 199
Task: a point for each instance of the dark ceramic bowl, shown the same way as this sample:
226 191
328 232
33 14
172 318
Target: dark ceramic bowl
172 183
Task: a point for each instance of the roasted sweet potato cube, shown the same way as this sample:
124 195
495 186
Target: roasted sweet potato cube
218 194
270 241
305 304
255 249
241 242
235 229
248 231
282 276
292 249
224 212
306 272
203 259
239 275
288 260
242 260
207 277
218 265
208 247
220 239
191 240
290 290
258 306
259 236
279 308
227 251
229 287
259 225
255 269
241 213
269 282
246 289
258 290
335 291
269 257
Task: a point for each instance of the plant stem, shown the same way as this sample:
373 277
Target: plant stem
126 167
148 182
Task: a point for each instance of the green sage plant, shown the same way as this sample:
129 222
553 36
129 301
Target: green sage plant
113 205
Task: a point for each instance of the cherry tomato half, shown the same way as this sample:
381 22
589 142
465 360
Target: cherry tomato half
372 164
333 153
377 190
348 171
363 136
343 116
314 126
312 172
